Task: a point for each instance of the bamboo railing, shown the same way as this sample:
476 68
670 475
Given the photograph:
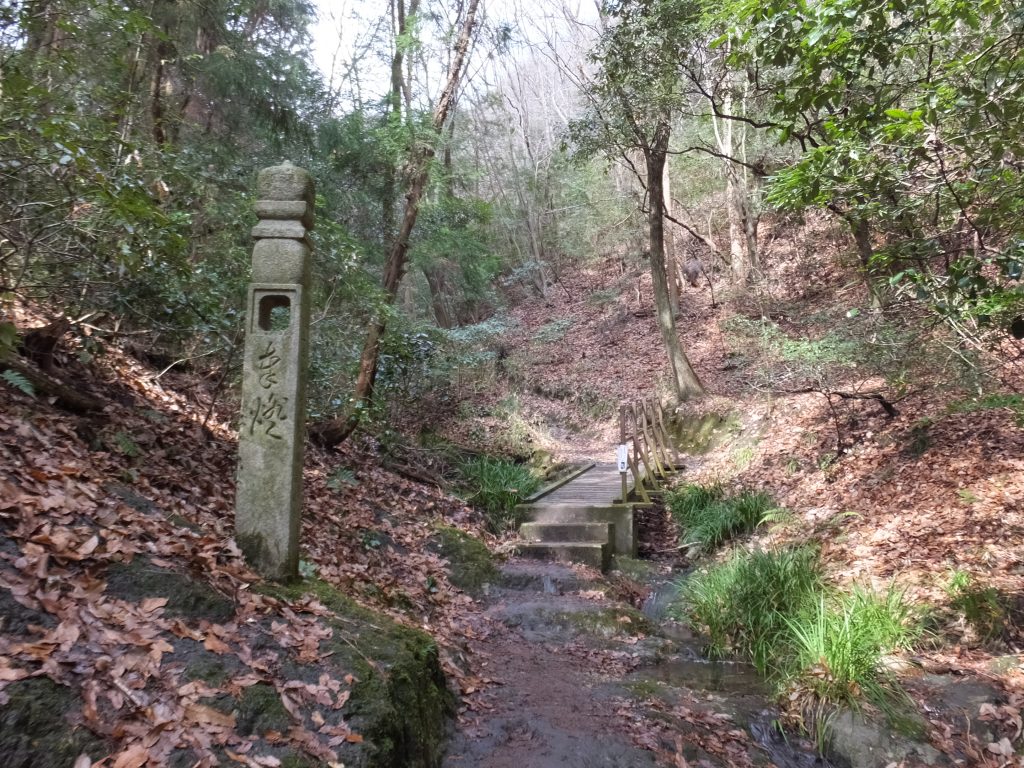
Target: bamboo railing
646 450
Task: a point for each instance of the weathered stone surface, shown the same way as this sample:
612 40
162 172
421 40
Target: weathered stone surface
277 228
863 742
272 428
285 182
281 262
620 515
283 209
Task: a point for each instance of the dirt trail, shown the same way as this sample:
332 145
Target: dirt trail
551 706
580 681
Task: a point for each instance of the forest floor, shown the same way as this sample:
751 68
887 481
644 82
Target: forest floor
173 660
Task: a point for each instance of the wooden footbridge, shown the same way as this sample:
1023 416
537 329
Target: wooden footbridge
588 516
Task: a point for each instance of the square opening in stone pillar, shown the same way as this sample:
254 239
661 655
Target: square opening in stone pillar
275 312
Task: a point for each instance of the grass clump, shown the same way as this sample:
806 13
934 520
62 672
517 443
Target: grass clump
983 608
496 486
840 645
743 603
821 646
708 516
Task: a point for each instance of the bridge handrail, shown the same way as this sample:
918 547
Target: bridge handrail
646 446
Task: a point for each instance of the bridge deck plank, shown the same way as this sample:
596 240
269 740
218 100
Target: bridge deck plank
600 484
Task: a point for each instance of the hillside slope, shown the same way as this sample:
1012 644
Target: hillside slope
132 632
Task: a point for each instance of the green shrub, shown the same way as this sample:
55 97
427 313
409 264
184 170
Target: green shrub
553 331
496 486
708 517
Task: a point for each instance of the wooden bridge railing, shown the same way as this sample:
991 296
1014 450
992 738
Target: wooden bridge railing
645 447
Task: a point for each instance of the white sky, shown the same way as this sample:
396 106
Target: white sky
346 26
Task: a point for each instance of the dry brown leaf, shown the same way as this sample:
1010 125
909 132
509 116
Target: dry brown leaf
134 756
201 713
216 645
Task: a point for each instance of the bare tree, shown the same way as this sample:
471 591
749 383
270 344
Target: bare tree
335 431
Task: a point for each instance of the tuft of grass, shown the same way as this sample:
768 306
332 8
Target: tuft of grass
822 647
841 643
984 608
709 517
743 603
496 486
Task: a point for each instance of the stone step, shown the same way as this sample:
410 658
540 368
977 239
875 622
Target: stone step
620 515
582 532
595 554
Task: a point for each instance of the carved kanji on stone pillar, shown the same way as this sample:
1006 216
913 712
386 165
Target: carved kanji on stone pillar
268 503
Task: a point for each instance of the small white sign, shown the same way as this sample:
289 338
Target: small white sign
622 454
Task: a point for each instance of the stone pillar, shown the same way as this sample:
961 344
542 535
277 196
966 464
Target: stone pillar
268 502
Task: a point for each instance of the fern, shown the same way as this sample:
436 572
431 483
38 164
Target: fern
19 382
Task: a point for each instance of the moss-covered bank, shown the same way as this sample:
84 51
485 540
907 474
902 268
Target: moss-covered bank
37 728
470 563
400 701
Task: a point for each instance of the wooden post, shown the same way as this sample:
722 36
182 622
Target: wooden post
669 440
659 440
622 444
643 454
652 446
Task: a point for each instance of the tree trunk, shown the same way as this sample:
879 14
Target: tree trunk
671 259
861 229
440 294
685 383
337 430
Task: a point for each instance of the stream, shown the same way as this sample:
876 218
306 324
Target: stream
584 680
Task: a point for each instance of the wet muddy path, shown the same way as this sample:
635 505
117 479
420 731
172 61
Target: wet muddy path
575 676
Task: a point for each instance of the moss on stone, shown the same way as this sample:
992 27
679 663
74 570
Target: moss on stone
186 597
293 760
698 434
400 702
207 668
259 709
470 563
644 689
35 729
634 568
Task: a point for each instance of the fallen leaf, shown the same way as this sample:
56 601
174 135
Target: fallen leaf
201 713
216 645
1002 747
133 757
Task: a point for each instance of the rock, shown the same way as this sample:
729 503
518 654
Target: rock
872 743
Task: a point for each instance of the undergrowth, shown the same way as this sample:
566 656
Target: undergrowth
496 486
982 607
822 647
707 516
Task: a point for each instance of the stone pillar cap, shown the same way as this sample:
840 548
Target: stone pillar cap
285 182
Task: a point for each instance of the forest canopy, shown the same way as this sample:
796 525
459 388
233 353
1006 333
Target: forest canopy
130 136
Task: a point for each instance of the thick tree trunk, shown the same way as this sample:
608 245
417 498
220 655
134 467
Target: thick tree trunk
335 431
685 382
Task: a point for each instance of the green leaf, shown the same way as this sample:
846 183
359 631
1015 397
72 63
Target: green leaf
19 382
